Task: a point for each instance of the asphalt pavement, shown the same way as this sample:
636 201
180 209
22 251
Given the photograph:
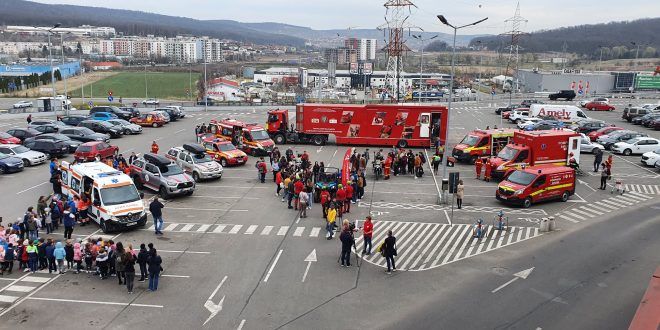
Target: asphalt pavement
236 258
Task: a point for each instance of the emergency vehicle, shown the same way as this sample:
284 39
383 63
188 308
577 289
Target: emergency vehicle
530 148
250 138
537 183
224 152
115 201
403 125
482 143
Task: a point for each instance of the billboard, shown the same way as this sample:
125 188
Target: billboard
647 82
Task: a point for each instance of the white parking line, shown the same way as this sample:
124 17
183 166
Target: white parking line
28 189
95 302
273 265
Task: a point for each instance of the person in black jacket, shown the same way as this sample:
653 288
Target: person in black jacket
347 242
142 258
129 270
389 250
154 270
156 209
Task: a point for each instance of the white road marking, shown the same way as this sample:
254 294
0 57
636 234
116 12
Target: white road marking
250 230
235 229
240 326
266 230
270 271
28 189
219 228
315 232
282 230
203 228
7 299
20 288
94 302
171 227
298 232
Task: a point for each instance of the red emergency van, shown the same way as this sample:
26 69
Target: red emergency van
530 148
537 183
482 143
403 125
250 138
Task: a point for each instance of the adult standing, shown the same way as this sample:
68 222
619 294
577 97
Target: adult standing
261 166
154 147
53 166
120 265
389 250
347 241
32 256
129 270
460 192
142 258
598 159
477 166
304 201
604 176
56 181
29 119
69 222
156 209
330 221
154 270
367 233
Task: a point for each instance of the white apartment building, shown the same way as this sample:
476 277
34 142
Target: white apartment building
14 48
83 30
367 49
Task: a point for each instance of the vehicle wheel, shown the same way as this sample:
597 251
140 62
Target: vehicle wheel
163 193
26 163
103 226
627 152
137 182
190 193
594 151
402 144
279 139
223 162
2 170
195 176
154 125
527 202
318 140
564 196
127 132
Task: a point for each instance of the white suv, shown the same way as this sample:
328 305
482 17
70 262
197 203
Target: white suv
518 116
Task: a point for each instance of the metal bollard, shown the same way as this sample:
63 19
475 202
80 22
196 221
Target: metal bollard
544 225
551 223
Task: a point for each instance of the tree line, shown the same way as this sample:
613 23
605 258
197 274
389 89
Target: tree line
12 84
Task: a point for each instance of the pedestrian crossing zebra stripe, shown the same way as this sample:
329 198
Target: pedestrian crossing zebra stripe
435 207
599 208
652 189
423 246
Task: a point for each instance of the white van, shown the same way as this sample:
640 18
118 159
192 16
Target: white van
115 201
561 112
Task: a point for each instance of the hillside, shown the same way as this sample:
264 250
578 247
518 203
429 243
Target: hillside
586 39
20 12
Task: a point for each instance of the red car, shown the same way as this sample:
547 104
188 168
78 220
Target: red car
599 105
148 119
506 114
89 150
5 138
593 136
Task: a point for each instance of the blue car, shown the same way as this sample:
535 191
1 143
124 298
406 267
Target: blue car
104 116
10 164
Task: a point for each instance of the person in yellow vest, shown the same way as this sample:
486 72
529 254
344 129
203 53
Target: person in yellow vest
330 221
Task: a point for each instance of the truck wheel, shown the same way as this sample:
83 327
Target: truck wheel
279 139
103 226
163 193
223 162
627 152
402 144
318 140
564 196
527 202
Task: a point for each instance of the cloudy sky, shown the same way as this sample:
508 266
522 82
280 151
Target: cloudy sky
341 14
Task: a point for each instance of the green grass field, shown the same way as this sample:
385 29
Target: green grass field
167 85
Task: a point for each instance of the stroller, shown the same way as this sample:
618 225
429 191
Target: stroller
618 186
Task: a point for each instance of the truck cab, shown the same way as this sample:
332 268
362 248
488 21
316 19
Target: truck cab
480 143
537 183
115 202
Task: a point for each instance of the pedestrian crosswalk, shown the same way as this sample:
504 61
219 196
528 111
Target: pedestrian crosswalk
435 207
235 229
652 189
15 289
602 207
424 246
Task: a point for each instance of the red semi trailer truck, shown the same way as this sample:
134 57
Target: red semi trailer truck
402 125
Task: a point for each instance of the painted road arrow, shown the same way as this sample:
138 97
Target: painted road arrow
212 307
310 258
522 274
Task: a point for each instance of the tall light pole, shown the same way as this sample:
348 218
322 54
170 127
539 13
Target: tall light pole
481 58
66 93
50 59
600 63
146 88
451 96
206 92
636 52
82 71
190 82
421 60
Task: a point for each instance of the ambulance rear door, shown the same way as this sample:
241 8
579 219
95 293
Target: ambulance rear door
574 148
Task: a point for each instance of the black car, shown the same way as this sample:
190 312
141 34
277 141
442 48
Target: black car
9 164
73 144
508 108
99 126
112 109
645 119
134 112
23 133
49 147
587 127
47 128
73 120
84 134
568 95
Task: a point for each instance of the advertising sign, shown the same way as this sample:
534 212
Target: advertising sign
647 82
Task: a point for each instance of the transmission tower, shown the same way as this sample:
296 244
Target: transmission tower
514 47
396 14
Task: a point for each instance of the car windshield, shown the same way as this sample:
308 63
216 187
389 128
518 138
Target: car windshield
105 124
259 135
201 158
633 140
507 153
119 122
171 169
85 131
328 176
522 178
119 195
59 137
470 140
4 135
226 147
657 152
19 149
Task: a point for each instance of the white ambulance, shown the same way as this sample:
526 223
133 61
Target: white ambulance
561 112
116 203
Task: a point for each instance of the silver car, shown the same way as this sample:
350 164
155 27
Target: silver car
29 157
587 146
193 160
161 175
128 128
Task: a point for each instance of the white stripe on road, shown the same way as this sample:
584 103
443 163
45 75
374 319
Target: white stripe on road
250 230
299 231
315 232
273 265
235 229
28 189
203 228
266 230
219 228
282 230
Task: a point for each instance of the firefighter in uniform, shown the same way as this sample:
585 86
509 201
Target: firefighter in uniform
388 164
154 147
478 164
488 168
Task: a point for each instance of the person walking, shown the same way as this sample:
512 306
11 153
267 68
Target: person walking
389 250
156 209
598 159
142 258
304 201
367 233
119 261
59 254
460 192
129 270
154 270
347 241
604 176
29 119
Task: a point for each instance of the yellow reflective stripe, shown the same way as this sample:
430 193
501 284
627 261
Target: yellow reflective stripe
560 186
506 188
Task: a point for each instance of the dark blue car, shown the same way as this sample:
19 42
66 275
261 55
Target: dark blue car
10 164
545 124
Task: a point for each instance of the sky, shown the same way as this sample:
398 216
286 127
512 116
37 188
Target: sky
342 14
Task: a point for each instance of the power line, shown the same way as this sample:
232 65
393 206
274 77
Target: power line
514 48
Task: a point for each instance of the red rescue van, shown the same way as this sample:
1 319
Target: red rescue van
537 183
482 143
250 138
530 148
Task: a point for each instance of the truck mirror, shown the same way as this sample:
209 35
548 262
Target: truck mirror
97 202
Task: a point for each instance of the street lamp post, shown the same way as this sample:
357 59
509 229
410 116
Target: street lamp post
146 88
52 73
481 58
206 92
66 93
451 88
636 52
421 61
600 63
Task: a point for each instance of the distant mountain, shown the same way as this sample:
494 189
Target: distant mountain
19 12
615 37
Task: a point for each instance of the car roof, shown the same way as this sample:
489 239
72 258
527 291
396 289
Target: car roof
91 143
546 169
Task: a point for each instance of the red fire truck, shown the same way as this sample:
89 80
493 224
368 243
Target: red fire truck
403 125
482 143
531 148
250 138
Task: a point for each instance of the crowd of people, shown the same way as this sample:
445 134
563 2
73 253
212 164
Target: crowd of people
399 162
